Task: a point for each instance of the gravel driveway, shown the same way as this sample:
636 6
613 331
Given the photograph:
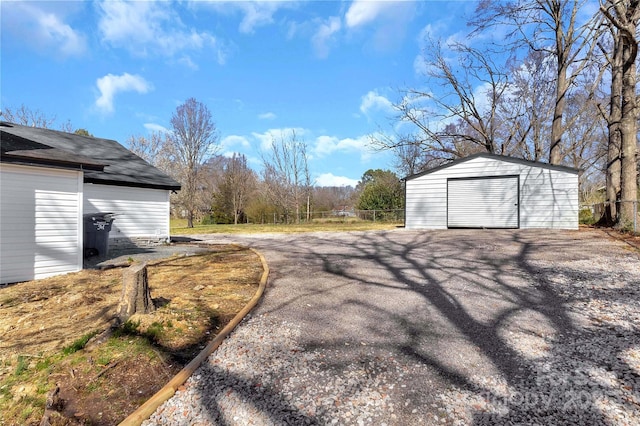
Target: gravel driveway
429 327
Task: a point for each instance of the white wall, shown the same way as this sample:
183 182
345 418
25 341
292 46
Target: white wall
548 198
40 222
139 212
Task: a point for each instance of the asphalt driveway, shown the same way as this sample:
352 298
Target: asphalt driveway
425 327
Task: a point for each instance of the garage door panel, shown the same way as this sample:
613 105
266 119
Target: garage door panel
483 202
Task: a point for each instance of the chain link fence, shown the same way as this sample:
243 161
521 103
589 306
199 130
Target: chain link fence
351 215
594 213
387 216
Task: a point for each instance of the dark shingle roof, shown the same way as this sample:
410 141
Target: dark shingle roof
121 166
15 149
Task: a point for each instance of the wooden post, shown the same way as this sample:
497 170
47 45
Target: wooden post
136 296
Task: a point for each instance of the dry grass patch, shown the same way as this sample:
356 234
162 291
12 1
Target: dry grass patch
179 227
46 324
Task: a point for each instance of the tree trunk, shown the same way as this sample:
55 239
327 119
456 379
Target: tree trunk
628 126
136 296
613 148
562 85
555 150
624 16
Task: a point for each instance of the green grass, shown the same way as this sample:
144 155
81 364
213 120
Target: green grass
78 344
104 359
44 364
155 331
179 227
28 407
22 366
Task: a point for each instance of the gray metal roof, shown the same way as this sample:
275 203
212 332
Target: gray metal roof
121 166
495 157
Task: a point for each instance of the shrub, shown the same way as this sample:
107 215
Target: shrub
585 217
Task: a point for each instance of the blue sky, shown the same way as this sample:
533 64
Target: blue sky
328 69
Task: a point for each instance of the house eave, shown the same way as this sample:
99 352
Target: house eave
131 184
48 163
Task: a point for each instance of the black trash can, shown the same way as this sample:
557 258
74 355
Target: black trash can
96 234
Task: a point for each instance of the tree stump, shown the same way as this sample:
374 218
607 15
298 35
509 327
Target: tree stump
136 296
53 404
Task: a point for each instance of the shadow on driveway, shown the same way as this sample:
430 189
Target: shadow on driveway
501 324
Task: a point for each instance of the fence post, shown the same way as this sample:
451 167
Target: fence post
374 216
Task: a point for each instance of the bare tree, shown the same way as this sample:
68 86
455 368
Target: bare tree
149 148
623 16
552 27
26 116
613 169
286 175
327 198
461 119
585 141
236 183
460 102
193 138
260 207
410 158
528 105
156 149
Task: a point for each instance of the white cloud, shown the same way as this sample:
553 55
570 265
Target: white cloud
148 27
267 116
420 66
264 139
231 141
186 61
110 85
482 97
456 38
329 179
438 32
44 30
327 145
389 16
270 135
373 101
429 33
153 127
255 13
362 12
324 36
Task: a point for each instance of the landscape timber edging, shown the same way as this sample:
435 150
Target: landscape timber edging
151 405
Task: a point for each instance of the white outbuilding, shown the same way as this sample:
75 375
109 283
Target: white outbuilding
492 191
49 180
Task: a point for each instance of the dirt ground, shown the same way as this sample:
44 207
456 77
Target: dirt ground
46 326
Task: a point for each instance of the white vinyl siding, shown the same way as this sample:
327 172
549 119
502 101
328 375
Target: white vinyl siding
482 202
140 212
548 197
40 222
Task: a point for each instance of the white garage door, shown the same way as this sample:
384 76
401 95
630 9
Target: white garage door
487 202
